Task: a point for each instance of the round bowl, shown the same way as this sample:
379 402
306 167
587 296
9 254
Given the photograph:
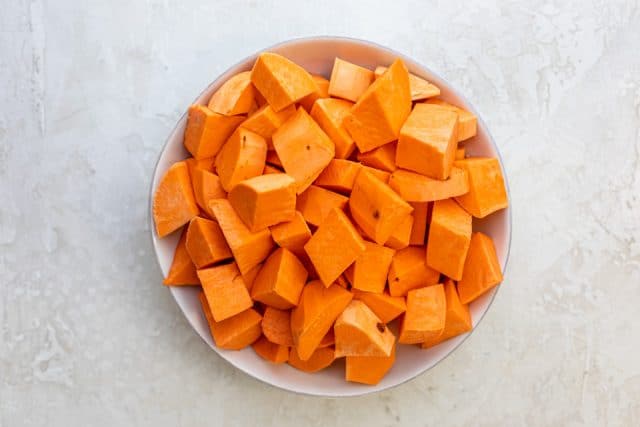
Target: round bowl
317 55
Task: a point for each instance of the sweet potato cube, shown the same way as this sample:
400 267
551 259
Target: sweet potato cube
369 370
400 237
320 359
339 175
378 173
425 316
370 269
328 340
457 319
467 121
409 271
243 156
449 237
383 157
382 304
276 326
481 269
234 333
414 187
419 227
381 110
205 243
173 202
316 203
359 332
428 141
182 271
281 81
329 113
292 234
271 352
419 87
264 200
235 96
206 186
280 281
318 308
265 121
206 131
334 246
460 153
225 291
376 208
270 170
194 165
303 148
487 192
273 159
322 91
249 249
348 80
250 276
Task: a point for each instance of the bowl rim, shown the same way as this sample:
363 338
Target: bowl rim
368 43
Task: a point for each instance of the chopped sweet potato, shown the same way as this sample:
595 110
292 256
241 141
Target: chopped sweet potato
409 271
182 271
234 333
321 92
419 87
449 237
460 153
250 276
205 243
271 352
174 204
268 170
206 186
292 235
377 173
320 359
400 237
243 156
414 187
369 370
383 157
349 81
280 281
316 203
339 175
225 291
370 269
206 131
359 332
204 164
467 121
419 227
481 269
457 319
425 316
235 96
265 121
329 113
276 326
487 192
273 159
383 305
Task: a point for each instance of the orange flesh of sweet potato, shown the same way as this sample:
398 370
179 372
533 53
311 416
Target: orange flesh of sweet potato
318 308
414 187
273 159
428 141
280 281
320 359
383 305
481 269
182 271
467 121
339 175
249 249
329 113
276 326
234 333
400 237
383 157
293 234
316 203
349 81
425 316
321 92
173 202
281 81
381 110
334 246
449 237
419 227
202 164
303 148
359 332
376 208
205 243
206 186
265 121
271 352
487 192
457 318
243 156
225 290
268 170
235 96
419 87
409 271
368 370
377 173
370 269
265 200
206 131
460 153
328 340
250 276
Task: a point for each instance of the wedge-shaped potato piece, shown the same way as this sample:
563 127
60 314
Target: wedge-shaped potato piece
481 269
329 113
276 326
234 333
467 121
457 319
383 157
414 187
243 156
207 131
205 243
449 237
349 81
339 175
271 352
409 271
420 88
368 370
173 202
280 281
322 91
235 96
425 316
225 291
359 332
321 358
487 192
182 271
369 271
316 203
383 305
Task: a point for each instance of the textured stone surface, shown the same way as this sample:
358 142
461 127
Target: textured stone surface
90 90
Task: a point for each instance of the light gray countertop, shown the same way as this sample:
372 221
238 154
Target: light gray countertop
90 90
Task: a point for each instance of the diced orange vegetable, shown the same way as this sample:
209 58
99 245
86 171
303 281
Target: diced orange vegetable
318 308
378 174
281 81
194 165
449 237
206 131
250 276
322 91
265 121
173 202
243 156
265 200
370 269
328 340
400 237
334 246
182 271
467 122
293 234
249 249
280 281
260 100
304 149
414 187
381 110
234 333
487 192
383 157
269 170
316 203
359 332
253 108
368 370
225 291
276 326
320 359
206 186
457 319
383 305
460 151
329 113
409 271
271 352
349 81
425 316
235 96
481 269
205 243
342 281
420 88
428 141
339 175
376 208
273 159
419 227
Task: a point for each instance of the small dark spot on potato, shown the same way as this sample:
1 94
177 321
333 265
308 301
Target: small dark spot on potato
308 147
381 326
376 214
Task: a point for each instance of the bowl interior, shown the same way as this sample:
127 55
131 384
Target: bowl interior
317 55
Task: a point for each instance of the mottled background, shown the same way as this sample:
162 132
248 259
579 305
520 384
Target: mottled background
90 90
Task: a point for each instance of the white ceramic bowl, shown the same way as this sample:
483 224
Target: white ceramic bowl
317 55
